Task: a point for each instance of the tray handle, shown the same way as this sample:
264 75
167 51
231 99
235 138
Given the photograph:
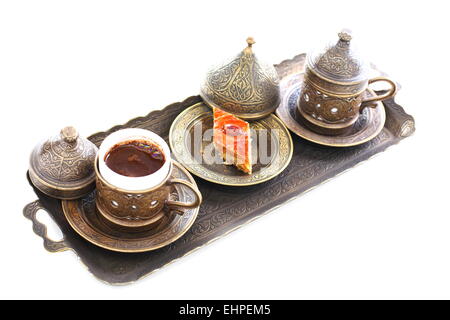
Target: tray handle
397 120
40 229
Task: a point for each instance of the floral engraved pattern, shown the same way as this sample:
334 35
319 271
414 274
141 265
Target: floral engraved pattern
335 88
337 61
131 206
243 86
60 161
328 109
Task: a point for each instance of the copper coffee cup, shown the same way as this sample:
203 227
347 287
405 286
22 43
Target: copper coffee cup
334 111
140 208
336 89
128 207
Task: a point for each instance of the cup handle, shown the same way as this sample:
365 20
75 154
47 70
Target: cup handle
391 92
192 204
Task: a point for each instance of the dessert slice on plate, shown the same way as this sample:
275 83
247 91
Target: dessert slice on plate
232 139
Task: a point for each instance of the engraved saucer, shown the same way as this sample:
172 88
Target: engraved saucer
369 124
190 139
83 216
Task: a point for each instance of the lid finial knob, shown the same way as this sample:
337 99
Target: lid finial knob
69 134
250 42
345 35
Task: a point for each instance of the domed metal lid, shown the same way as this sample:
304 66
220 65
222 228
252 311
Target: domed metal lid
63 166
339 62
244 87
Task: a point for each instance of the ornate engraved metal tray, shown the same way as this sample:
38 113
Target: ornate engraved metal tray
224 208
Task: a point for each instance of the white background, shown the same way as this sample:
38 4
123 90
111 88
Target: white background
381 230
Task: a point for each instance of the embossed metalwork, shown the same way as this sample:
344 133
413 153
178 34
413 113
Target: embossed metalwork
335 82
244 87
368 125
139 208
339 62
181 139
63 166
40 229
330 109
84 218
224 208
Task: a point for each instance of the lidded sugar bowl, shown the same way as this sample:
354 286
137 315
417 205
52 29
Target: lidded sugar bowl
63 166
334 88
245 86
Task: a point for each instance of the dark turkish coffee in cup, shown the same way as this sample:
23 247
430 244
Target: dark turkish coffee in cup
135 158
